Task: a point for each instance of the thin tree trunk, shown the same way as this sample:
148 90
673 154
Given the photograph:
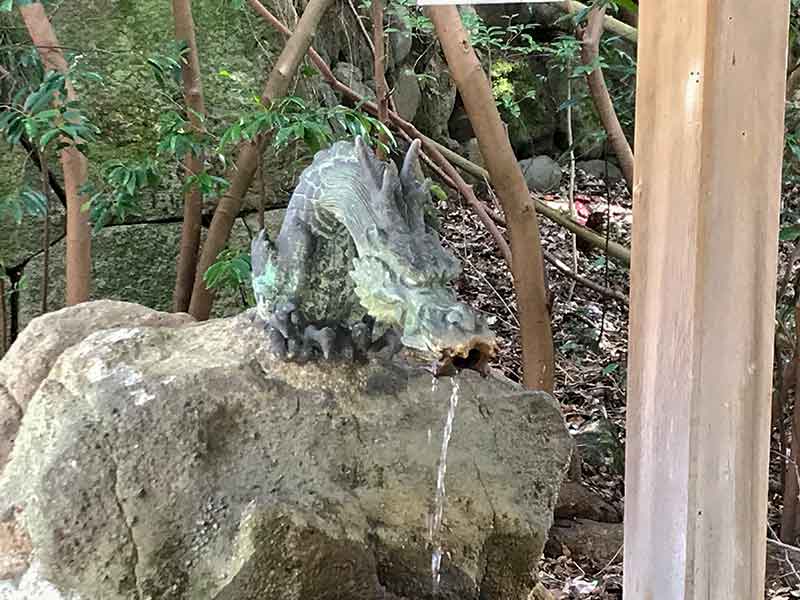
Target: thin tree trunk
193 199
262 195
571 194
523 227
590 50
790 523
73 163
3 331
381 89
14 277
276 87
45 231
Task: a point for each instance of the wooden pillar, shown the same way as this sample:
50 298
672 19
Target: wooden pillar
709 139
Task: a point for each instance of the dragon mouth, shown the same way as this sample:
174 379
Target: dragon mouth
474 355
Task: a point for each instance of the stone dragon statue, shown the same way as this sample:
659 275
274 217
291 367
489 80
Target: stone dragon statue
355 269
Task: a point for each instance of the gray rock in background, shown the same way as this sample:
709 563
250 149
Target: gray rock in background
542 173
598 168
438 99
407 95
400 36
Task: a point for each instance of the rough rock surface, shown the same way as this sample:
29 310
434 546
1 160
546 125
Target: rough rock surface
187 463
438 99
575 500
35 351
598 168
599 543
541 173
407 94
598 443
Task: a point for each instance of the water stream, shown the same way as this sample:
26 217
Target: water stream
435 519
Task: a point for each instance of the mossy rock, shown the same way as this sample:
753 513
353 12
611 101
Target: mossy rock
131 263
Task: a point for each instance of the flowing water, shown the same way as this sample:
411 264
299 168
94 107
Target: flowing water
435 519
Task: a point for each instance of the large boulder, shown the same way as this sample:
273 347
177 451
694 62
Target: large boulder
187 462
35 351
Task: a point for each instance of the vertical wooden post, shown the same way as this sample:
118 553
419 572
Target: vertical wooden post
709 131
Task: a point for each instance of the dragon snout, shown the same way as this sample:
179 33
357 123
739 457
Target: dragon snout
470 344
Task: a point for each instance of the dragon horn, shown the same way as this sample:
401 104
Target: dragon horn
368 163
408 173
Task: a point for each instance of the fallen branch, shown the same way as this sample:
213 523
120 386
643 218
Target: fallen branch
610 24
584 281
616 251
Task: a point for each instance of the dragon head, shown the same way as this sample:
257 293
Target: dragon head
402 271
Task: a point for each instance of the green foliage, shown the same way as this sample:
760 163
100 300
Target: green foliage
512 40
27 202
42 123
791 149
177 138
119 196
407 13
167 67
503 89
231 271
790 233
291 120
209 185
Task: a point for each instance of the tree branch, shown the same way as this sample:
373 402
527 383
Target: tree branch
610 24
429 146
275 88
590 52
193 198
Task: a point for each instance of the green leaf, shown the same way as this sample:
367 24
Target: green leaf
790 233
48 114
47 137
628 5
610 368
437 192
6 5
